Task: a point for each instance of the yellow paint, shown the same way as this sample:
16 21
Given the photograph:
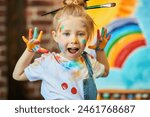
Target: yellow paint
120 45
103 16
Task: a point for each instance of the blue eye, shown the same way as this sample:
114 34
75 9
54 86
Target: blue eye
66 34
81 34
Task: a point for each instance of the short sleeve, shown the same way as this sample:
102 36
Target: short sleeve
98 68
35 70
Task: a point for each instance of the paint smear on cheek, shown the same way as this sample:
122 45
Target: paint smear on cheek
83 41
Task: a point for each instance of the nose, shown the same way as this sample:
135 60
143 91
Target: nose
74 40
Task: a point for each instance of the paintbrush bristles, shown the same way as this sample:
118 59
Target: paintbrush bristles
113 4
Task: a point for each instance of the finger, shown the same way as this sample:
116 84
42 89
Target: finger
30 34
25 39
40 36
109 36
105 33
35 33
98 34
92 47
42 50
102 32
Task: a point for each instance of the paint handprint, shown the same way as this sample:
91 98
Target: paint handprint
101 40
33 44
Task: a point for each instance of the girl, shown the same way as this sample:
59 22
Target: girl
62 74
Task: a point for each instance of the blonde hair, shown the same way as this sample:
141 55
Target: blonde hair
77 2
75 8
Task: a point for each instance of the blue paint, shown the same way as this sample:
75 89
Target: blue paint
143 16
35 35
135 72
72 64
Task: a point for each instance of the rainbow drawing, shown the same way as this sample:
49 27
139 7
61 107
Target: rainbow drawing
126 36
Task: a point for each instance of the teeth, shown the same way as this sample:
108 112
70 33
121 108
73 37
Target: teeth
73 50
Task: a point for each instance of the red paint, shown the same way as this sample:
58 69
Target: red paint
124 53
42 50
64 86
98 35
73 90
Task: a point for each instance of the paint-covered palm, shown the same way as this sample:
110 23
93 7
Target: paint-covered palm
34 41
101 40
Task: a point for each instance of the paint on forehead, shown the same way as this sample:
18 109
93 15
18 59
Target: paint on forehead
62 27
59 23
83 41
57 28
59 20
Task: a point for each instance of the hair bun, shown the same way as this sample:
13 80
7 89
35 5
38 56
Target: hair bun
75 2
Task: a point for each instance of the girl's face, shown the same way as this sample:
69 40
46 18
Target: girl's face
71 37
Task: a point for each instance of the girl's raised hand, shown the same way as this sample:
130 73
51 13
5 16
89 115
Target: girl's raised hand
101 40
33 44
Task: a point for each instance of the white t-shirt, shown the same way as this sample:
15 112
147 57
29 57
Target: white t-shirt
62 79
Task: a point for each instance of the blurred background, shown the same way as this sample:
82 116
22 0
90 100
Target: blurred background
127 50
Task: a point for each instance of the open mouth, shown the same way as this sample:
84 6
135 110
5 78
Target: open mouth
73 50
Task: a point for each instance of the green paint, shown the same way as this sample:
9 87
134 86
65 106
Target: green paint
120 37
83 41
62 27
102 32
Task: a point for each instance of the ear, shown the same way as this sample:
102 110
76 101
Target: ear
54 35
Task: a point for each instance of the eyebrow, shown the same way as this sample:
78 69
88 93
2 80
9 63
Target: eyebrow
66 30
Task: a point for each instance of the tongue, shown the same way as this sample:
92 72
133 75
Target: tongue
72 51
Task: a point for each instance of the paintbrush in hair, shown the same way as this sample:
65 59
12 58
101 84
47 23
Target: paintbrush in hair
108 5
